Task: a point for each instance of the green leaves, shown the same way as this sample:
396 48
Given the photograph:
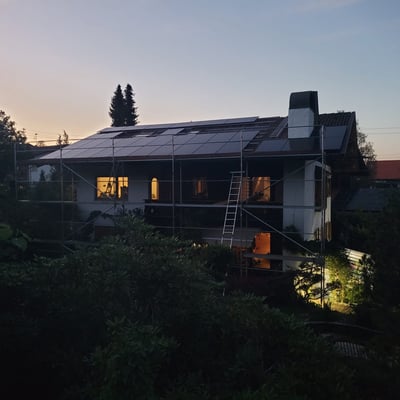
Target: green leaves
12 244
5 232
140 317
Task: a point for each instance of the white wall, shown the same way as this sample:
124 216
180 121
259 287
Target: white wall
36 170
138 191
299 198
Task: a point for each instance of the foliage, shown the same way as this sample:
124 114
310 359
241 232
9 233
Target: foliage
9 136
140 316
366 149
341 279
385 238
216 258
131 117
123 111
130 366
117 108
63 140
13 244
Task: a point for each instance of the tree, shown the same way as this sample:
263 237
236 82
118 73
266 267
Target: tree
63 140
130 109
9 135
117 108
366 149
384 249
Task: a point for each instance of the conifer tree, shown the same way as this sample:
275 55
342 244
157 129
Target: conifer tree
117 108
131 117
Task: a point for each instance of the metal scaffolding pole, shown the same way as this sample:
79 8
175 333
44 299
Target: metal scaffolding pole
323 213
173 184
62 196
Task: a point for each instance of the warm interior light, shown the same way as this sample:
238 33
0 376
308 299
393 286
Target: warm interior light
155 193
262 188
111 187
262 245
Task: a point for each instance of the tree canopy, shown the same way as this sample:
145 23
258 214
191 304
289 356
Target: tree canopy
131 117
123 111
117 108
142 317
9 135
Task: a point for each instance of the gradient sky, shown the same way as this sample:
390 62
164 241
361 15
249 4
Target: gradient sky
61 61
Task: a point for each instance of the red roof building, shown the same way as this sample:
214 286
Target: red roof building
387 170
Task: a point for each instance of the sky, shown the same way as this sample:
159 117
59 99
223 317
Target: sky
189 60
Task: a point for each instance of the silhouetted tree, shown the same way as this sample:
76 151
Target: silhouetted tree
130 109
64 139
9 135
117 108
366 149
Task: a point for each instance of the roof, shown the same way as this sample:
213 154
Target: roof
368 199
387 170
250 136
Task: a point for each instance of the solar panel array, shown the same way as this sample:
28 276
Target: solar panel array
231 137
108 145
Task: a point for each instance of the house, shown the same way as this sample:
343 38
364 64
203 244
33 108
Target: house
240 181
386 173
373 196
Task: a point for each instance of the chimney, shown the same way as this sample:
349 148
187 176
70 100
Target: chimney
303 114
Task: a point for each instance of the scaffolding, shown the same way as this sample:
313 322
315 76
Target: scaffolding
67 176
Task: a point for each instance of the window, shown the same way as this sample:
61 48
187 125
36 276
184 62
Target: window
261 188
155 189
200 187
262 245
109 187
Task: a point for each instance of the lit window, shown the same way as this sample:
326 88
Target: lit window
155 192
109 187
261 188
200 187
262 245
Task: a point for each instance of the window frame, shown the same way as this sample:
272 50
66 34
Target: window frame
117 188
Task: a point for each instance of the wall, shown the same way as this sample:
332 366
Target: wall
138 190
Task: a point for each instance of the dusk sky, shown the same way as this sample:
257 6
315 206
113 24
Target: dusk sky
61 61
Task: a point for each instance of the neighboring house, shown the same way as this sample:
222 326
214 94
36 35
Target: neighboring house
34 171
238 181
386 173
373 198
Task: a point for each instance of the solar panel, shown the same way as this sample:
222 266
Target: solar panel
186 149
171 131
181 139
232 147
201 138
334 137
165 150
273 145
222 137
110 135
248 134
105 152
209 148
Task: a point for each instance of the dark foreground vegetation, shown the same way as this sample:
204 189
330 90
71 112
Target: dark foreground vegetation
142 316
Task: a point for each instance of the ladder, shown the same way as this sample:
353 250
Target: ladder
232 208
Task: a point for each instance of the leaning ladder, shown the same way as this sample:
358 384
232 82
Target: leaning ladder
232 208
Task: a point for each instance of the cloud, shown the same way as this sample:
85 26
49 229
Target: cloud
322 5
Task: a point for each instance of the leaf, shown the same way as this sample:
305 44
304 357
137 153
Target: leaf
19 242
5 232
